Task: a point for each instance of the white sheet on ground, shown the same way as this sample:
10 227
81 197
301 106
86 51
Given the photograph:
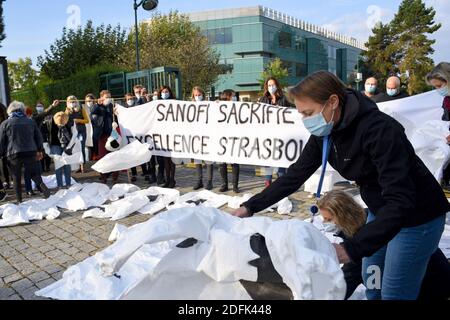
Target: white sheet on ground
50 182
119 190
130 156
284 206
148 265
204 198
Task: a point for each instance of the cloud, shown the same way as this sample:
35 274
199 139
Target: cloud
359 25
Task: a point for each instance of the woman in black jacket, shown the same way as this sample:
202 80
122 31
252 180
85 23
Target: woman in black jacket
273 95
21 143
407 206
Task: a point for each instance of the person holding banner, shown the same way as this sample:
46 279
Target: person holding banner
407 206
229 95
273 95
165 93
198 95
439 78
103 114
78 116
132 101
371 87
393 91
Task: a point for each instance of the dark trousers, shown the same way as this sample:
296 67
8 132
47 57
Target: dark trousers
169 167
209 172
144 168
435 284
45 163
5 171
223 169
27 176
446 175
16 165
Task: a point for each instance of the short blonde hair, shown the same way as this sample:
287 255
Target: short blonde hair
348 214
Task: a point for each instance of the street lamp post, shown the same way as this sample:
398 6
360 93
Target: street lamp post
147 5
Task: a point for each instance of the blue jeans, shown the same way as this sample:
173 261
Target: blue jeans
402 263
66 170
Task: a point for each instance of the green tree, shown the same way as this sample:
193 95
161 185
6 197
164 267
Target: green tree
410 28
379 60
275 69
172 40
2 24
21 74
79 49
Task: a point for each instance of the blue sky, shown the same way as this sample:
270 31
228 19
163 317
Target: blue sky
31 26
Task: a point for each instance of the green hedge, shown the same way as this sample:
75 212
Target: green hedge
80 84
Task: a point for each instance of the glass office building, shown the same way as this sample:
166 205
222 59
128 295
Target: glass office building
249 38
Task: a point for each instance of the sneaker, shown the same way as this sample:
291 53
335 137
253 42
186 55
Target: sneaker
152 180
223 189
209 186
236 189
198 186
45 190
2 195
31 193
6 186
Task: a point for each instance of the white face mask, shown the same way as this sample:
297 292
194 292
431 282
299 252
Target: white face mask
272 89
138 96
107 101
40 109
198 98
130 103
155 98
165 95
234 98
90 104
330 227
73 105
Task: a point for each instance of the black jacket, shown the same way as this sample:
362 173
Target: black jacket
383 97
102 117
281 101
370 148
19 136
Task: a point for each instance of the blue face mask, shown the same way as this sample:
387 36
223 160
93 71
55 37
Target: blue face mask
391 92
370 88
443 91
317 125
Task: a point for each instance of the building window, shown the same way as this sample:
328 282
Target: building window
300 43
301 70
219 35
289 66
285 39
332 52
226 68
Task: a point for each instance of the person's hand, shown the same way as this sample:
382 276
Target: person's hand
341 253
116 110
39 156
55 104
448 139
242 212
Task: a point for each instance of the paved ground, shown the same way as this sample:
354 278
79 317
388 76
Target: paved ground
36 255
